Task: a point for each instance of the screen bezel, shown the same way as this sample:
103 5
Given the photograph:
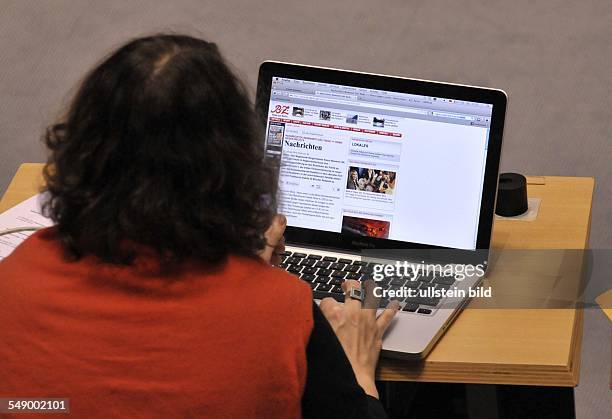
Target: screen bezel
356 244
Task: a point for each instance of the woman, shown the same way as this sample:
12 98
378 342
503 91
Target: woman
153 296
391 182
369 176
353 180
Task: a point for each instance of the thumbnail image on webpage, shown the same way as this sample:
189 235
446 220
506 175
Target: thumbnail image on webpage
371 180
365 227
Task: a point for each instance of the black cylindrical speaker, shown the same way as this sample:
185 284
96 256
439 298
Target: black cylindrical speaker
511 195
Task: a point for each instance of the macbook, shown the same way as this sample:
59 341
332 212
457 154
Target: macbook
389 179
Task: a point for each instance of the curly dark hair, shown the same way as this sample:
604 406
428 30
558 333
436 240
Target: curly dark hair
160 148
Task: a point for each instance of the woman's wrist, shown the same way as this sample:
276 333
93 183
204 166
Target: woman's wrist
368 385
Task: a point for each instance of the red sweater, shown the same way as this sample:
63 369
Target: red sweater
129 342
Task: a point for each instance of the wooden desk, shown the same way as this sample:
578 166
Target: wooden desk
488 346
26 183
517 346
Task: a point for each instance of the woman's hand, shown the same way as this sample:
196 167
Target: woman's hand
359 332
275 241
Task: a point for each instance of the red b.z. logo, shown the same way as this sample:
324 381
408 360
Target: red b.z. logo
281 110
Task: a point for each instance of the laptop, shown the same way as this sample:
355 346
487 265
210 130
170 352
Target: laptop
389 179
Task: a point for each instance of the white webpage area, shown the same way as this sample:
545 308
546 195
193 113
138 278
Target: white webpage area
375 175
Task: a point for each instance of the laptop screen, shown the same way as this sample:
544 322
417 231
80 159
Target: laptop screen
377 163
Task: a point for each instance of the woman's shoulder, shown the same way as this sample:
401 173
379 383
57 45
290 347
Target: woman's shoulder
34 271
256 270
268 282
41 256
39 247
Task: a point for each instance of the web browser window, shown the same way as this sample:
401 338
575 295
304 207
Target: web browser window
377 163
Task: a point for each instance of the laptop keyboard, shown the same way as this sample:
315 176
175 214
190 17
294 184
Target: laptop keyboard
325 275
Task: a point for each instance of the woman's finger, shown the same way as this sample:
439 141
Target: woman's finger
350 283
328 306
351 303
273 236
370 300
280 247
384 320
278 250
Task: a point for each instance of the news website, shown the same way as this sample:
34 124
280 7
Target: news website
353 163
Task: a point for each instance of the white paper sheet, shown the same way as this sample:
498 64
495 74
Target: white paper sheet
25 214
